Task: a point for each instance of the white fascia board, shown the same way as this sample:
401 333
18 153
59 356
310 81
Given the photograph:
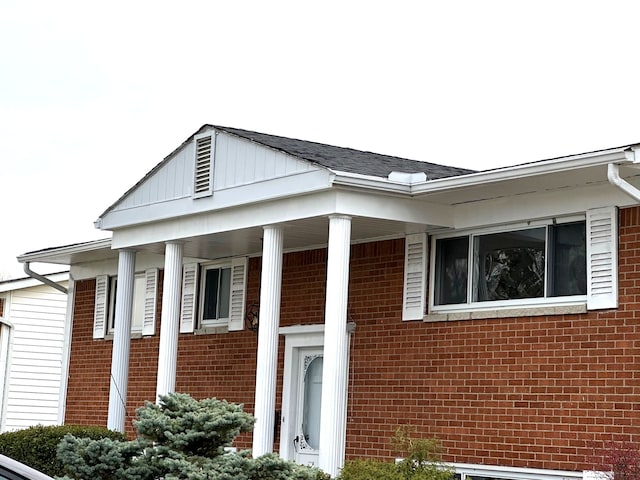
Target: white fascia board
226 220
618 155
57 255
249 194
10 285
281 211
348 179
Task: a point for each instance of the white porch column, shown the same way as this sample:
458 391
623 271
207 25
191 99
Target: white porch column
333 410
121 341
270 289
169 319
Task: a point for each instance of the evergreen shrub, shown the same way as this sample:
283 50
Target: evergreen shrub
179 438
36 446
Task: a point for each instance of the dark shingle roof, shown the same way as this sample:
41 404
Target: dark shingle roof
347 159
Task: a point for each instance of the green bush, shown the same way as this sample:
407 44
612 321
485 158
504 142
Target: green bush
37 446
421 460
180 438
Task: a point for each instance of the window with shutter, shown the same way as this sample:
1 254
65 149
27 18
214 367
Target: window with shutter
213 297
203 166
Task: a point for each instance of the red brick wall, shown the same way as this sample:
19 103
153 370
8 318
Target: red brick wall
541 392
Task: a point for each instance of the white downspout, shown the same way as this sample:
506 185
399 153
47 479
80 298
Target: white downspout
43 279
613 175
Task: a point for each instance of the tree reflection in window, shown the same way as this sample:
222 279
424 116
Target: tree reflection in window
509 265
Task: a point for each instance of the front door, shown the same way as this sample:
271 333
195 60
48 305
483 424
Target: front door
309 395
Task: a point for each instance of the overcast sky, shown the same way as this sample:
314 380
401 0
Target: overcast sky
94 94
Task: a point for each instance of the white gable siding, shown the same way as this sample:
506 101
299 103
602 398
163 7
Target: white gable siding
237 162
32 383
240 162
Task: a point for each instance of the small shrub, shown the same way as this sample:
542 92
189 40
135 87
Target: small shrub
370 470
421 460
37 446
621 461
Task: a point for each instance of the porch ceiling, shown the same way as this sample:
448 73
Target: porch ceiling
299 234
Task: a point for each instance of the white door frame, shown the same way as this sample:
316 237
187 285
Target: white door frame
297 338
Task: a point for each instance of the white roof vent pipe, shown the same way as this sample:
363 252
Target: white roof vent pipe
407 178
613 175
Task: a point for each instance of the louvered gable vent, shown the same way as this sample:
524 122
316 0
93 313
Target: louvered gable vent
203 171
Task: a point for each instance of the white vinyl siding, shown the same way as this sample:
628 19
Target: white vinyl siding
37 315
237 162
415 268
602 258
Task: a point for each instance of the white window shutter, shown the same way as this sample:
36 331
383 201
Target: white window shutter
101 306
237 302
150 294
189 298
203 165
415 274
602 258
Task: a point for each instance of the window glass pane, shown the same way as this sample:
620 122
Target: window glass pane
452 256
210 310
568 262
225 292
137 315
509 265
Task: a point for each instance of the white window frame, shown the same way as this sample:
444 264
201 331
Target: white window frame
137 313
218 322
467 471
499 304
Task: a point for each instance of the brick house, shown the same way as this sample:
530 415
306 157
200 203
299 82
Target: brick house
497 310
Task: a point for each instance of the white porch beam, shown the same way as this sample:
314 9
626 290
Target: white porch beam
169 319
270 293
121 341
333 411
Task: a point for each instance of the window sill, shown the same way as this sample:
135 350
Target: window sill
134 336
211 330
534 311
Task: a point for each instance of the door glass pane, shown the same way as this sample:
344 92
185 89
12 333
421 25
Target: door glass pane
312 399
